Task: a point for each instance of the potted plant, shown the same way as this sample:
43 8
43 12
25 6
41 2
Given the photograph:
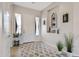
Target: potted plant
16 40
15 35
59 46
69 44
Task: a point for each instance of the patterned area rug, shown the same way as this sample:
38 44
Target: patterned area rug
35 49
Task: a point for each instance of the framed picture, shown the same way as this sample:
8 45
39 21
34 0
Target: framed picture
65 18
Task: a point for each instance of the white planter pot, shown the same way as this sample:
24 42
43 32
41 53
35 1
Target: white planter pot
64 54
69 54
58 54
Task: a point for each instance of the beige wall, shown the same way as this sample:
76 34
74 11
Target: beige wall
28 22
65 28
76 29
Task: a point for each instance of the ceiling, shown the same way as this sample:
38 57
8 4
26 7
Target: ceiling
33 5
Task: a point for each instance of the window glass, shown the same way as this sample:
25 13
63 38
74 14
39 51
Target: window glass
18 23
37 25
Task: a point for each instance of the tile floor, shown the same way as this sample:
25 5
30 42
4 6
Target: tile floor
33 49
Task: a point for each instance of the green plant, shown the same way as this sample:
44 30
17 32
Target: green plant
15 35
60 46
69 43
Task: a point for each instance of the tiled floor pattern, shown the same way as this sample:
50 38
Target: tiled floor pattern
35 49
